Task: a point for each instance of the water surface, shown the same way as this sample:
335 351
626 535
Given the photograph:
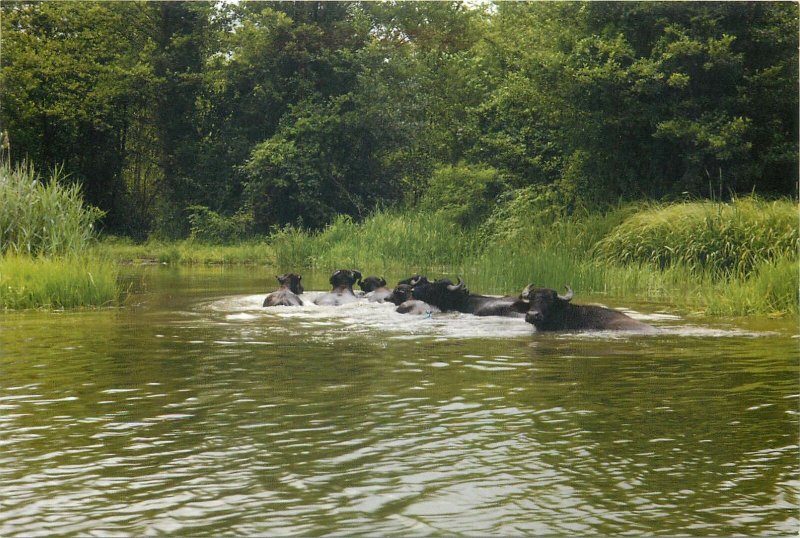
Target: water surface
195 411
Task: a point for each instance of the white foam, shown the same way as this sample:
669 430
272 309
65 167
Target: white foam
365 316
362 316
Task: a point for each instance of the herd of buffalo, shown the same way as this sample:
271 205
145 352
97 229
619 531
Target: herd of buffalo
544 308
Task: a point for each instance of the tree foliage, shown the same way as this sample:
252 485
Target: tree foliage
295 112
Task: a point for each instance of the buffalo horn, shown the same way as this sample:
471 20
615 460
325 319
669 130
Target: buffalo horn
568 296
456 287
526 293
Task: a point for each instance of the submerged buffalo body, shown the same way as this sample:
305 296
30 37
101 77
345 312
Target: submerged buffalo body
456 297
287 294
549 311
342 292
406 304
375 289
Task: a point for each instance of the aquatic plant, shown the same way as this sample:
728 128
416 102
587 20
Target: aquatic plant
384 240
70 282
43 217
550 249
189 252
726 238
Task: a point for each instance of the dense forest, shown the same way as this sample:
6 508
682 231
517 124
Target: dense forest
268 114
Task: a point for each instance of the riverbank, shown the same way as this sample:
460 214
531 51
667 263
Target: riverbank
46 237
58 283
722 259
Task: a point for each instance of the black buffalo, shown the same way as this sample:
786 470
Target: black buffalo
549 311
406 304
287 294
456 297
342 292
414 280
375 288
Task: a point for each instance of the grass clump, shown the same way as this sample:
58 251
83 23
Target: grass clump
189 251
43 218
70 282
726 239
385 240
46 232
772 289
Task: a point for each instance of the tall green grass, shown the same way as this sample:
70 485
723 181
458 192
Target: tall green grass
45 234
386 240
725 259
42 218
189 251
771 289
725 238
667 253
69 282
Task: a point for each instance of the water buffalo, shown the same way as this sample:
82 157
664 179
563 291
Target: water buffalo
549 311
342 292
287 294
375 288
414 280
456 297
406 304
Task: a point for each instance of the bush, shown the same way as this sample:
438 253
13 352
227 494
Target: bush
71 282
385 239
466 194
771 289
43 218
724 238
210 226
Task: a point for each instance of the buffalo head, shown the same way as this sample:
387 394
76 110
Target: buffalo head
291 281
414 280
443 294
372 283
345 278
543 303
400 294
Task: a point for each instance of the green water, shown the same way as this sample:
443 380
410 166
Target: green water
193 411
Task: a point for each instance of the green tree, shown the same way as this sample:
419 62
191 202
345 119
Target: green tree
73 77
644 99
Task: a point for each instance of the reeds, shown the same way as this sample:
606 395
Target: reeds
385 240
749 267
45 234
724 238
189 252
69 282
42 218
665 253
771 289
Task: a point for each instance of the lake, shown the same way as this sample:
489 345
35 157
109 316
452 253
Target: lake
194 411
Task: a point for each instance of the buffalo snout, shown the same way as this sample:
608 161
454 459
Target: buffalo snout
533 316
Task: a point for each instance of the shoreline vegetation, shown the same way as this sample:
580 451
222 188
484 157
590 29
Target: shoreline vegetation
727 259
732 258
46 232
637 150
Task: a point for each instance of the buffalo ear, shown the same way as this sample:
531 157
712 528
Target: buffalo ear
281 278
383 282
356 275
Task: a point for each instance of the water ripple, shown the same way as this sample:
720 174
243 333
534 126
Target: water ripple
217 417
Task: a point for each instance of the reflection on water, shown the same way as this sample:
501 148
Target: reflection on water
197 411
